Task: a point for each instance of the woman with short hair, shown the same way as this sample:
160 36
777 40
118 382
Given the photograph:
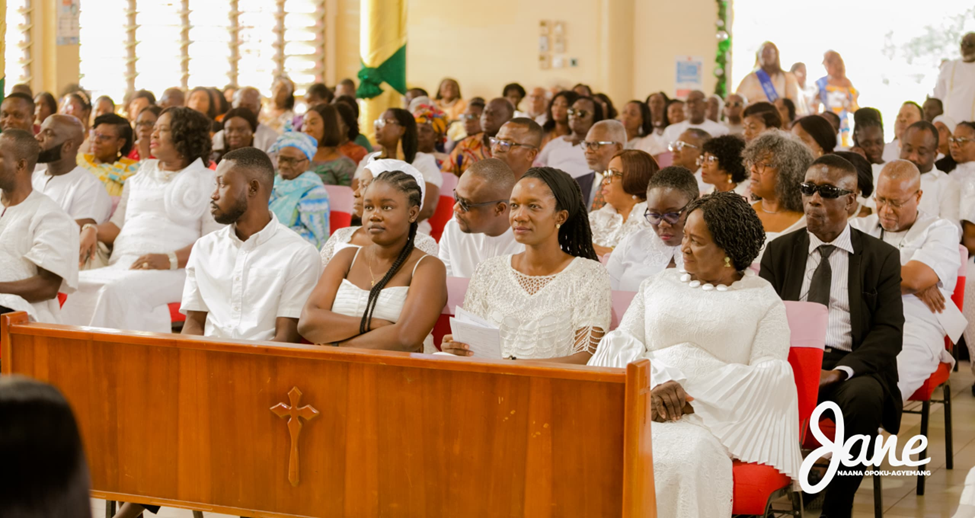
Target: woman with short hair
449 99
710 326
111 142
553 301
280 112
239 126
758 118
625 191
722 166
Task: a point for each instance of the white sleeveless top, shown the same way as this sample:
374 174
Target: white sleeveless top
342 238
350 300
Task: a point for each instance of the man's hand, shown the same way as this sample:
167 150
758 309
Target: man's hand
669 402
448 345
89 246
151 262
829 377
932 298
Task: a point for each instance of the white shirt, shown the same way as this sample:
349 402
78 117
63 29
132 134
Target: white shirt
461 252
839 331
653 144
78 192
734 129
37 233
715 129
941 195
243 286
264 138
638 256
892 151
956 88
561 154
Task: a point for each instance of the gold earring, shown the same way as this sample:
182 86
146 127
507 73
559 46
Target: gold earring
729 179
727 262
557 225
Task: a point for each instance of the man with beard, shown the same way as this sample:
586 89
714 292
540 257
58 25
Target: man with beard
250 279
480 228
858 278
78 192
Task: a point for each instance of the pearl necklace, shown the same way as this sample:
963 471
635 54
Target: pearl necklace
686 277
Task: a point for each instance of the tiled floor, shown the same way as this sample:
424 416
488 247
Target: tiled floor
943 487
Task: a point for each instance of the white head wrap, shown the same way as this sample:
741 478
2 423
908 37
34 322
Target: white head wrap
947 121
388 164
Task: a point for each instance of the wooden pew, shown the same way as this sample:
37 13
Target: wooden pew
256 429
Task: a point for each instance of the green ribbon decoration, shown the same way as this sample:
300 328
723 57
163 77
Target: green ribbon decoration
392 72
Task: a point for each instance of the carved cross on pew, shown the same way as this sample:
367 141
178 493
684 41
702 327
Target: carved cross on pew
293 413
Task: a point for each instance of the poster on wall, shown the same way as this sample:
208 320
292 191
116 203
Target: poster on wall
690 75
68 26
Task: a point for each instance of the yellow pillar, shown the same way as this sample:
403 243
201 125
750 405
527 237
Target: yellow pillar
382 48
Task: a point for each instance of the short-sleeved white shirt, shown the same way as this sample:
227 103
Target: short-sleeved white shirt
78 192
462 252
243 286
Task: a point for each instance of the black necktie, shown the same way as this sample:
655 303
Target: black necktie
822 277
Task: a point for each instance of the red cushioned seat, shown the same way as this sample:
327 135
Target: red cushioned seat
754 485
174 314
925 391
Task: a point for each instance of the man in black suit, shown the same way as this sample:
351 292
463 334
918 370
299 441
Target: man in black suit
859 281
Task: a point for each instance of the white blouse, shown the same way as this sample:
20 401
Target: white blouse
340 239
542 317
608 227
638 256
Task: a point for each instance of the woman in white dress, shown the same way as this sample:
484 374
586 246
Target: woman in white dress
387 294
722 166
396 136
164 209
357 236
551 302
778 163
651 250
625 191
638 121
717 339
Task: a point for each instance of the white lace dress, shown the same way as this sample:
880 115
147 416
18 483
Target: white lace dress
608 227
542 317
340 239
728 349
638 256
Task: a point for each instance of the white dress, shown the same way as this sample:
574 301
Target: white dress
341 237
608 227
160 212
728 350
541 317
638 256
351 300
964 175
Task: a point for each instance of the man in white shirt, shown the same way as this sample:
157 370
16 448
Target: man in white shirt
857 278
81 194
687 151
250 99
38 241
250 279
909 113
518 143
929 269
537 104
734 105
919 145
956 83
695 109
479 229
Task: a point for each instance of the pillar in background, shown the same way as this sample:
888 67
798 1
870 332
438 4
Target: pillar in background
382 48
3 44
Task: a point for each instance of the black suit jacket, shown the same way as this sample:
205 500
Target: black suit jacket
876 307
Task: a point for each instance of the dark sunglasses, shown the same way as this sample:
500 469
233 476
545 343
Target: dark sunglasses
670 217
826 191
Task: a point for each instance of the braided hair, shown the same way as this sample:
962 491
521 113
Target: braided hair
575 236
733 224
405 183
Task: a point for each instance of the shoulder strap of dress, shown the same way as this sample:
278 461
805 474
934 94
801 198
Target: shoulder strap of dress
356 256
418 264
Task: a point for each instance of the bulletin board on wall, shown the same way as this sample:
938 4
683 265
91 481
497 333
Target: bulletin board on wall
552 50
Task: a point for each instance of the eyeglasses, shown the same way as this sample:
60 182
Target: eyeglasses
291 162
145 124
101 137
679 145
506 145
762 167
466 206
611 176
732 104
381 123
711 159
595 145
670 217
893 204
470 117
826 191
960 140
582 114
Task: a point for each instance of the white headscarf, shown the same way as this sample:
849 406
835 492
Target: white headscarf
378 166
947 121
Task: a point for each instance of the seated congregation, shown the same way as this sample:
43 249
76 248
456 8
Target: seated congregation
552 211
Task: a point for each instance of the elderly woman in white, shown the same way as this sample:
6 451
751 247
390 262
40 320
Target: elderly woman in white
354 236
718 342
625 191
649 251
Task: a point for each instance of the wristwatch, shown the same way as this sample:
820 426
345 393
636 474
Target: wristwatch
173 261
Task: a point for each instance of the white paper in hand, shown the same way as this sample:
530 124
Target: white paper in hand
483 337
